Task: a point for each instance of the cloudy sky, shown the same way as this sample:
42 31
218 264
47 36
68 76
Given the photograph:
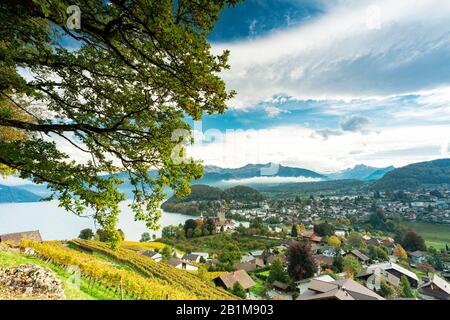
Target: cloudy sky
327 85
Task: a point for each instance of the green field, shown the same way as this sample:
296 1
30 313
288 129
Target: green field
436 235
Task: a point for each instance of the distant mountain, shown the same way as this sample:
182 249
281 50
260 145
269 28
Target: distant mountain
360 172
416 175
213 174
15 194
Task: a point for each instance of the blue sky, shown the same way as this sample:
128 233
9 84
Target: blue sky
330 84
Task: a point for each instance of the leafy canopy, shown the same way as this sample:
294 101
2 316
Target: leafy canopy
116 90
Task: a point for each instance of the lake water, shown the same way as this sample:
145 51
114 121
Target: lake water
55 223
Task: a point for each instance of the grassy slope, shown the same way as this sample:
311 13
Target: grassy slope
12 258
436 235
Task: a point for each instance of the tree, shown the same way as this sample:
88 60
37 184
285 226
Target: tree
198 233
86 234
355 240
406 290
301 264
386 290
238 290
294 231
114 236
412 241
334 241
230 254
351 265
400 253
277 272
166 253
145 237
189 224
338 261
324 229
119 95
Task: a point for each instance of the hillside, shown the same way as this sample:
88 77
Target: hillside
15 194
107 274
416 175
313 187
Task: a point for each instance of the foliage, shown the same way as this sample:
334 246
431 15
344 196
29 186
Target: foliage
351 265
178 279
86 234
355 240
238 290
120 95
338 261
377 253
399 252
334 242
112 236
277 272
145 237
387 290
230 255
324 229
406 290
301 264
412 241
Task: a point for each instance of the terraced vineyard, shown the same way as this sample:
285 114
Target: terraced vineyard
129 284
158 270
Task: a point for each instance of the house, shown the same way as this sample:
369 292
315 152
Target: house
374 281
359 255
323 262
179 264
250 265
280 286
15 238
228 280
303 285
152 254
417 256
345 289
435 288
257 253
393 269
246 258
205 255
190 257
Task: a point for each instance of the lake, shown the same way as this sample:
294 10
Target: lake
55 223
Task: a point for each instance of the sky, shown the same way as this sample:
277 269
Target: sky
327 85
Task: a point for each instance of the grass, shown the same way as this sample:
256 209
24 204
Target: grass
436 235
13 258
259 289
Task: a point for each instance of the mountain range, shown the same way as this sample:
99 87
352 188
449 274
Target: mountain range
264 175
15 194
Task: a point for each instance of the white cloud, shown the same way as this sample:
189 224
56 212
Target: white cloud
273 112
356 49
275 179
299 146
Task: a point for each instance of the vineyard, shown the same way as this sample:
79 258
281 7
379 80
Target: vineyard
158 270
124 284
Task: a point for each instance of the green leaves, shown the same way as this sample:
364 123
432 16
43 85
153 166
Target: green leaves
131 75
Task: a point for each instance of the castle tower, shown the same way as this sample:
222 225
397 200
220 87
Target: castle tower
221 214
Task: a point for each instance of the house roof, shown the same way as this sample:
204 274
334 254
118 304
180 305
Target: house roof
280 285
360 255
346 289
250 265
18 236
190 257
438 282
323 260
174 262
388 266
241 276
416 253
150 253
